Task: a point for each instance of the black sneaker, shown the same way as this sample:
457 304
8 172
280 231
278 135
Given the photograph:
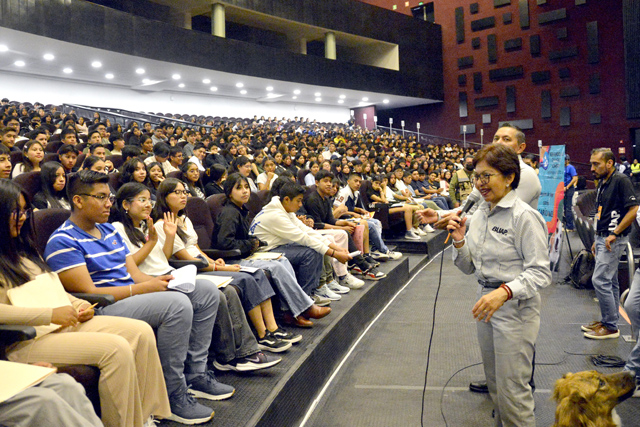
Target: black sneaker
255 362
374 274
272 344
371 261
287 336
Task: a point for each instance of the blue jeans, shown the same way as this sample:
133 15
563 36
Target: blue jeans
284 278
568 208
375 236
605 279
440 201
183 325
306 262
632 307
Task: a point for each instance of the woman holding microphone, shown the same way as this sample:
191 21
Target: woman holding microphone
506 248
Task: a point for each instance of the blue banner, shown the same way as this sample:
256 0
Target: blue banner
552 180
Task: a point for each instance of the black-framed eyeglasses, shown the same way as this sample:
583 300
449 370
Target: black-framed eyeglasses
181 192
484 178
19 212
102 198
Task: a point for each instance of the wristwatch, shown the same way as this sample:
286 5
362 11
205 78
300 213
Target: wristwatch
615 234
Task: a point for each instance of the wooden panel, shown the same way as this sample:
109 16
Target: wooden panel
631 29
511 99
541 2
540 76
477 82
569 92
595 118
487 101
534 45
483 24
523 9
492 48
552 16
524 124
565 116
462 104
474 8
501 3
562 33
594 83
459 24
486 119
465 62
513 44
546 104
556 55
593 50
508 73
579 2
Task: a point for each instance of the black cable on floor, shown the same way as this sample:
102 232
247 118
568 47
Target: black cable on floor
445 386
602 360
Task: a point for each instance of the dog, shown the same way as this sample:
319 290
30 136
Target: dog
588 398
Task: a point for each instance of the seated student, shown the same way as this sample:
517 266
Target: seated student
5 162
95 139
233 343
214 157
433 183
310 178
191 142
199 153
58 400
8 137
131 385
100 151
116 143
155 172
174 162
213 178
146 146
53 194
68 156
425 190
161 153
68 136
255 289
32 155
242 165
134 170
90 256
232 232
190 175
397 190
266 178
129 152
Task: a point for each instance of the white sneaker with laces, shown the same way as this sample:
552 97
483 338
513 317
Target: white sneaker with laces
428 228
411 235
419 231
394 255
337 287
352 282
324 292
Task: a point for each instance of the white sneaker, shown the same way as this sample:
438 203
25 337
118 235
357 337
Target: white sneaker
379 256
352 282
324 292
419 231
411 235
320 301
337 287
394 255
428 228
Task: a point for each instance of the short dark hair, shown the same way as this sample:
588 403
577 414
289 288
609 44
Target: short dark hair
519 134
324 174
93 147
161 149
503 159
4 150
354 175
199 145
67 148
66 132
607 154
130 151
83 182
173 151
291 190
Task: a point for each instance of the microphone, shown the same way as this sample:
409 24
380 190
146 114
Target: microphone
466 209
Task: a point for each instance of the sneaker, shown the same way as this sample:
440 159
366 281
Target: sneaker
428 228
336 287
379 256
591 326
320 301
255 362
371 261
186 410
287 336
356 269
394 255
374 274
411 235
637 392
206 386
352 282
270 343
325 292
602 333
419 231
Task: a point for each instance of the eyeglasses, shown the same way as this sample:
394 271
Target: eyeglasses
142 200
18 213
181 192
102 198
484 178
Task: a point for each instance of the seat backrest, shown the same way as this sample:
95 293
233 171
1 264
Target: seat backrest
81 158
214 203
31 182
117 160
114 180
586 202
50 157
363 192
309 191
199 214
16 157
256 202
53 146
301 174
45 222
174 174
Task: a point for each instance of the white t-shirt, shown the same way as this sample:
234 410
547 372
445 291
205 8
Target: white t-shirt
155 264
178 244
262 179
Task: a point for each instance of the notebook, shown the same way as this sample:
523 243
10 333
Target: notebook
17 377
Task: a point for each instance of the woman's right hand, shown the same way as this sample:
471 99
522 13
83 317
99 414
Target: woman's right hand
457 227
170 226
65 316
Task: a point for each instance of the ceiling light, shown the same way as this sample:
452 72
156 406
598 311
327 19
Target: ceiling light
294 97
269 88
19 63
243 92
365 99
239 84
206 81
386 101
3 48
109 76
176 77
140 71
340 101
146 81
317 94
48 57
96 64
67 70
343 96
213 89
318 99
297 91
181 85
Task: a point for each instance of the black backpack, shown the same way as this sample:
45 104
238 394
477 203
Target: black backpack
581 270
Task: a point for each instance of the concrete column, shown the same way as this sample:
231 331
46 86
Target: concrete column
218 20
303 46
330 46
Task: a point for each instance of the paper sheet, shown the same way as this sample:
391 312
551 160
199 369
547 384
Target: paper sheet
17 377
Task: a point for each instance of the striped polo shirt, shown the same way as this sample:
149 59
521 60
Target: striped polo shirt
70 246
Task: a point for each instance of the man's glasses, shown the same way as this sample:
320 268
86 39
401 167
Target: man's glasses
484 178
102 198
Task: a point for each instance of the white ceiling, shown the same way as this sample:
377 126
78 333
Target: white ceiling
29 48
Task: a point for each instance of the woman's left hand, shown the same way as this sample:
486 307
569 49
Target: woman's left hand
489 304
220 262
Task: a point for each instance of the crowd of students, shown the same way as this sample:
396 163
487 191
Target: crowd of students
127 190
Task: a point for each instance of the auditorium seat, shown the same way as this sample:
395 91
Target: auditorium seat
16 157
302 173
174 174
31 183
381 210
114 181
256 202
117 160
50 157
200 215
53 146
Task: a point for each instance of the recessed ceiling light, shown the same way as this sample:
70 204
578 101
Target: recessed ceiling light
140 71
146 81
386 101
19 63
340 101
269 88
206 81
96 64
67 70
297 91
243 92
109 76
317 94
365 99
343 96
48 57
176 77
213 89
239 84
318 99
3 48
294 97
181 85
